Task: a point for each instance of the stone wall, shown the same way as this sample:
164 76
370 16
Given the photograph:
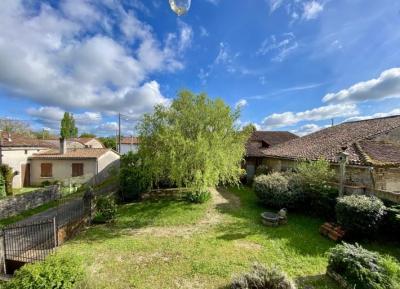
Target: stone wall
14 205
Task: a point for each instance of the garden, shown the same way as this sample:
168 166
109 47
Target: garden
205 230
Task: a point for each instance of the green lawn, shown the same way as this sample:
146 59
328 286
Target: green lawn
170 244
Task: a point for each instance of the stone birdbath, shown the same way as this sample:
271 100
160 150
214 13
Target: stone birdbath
274 219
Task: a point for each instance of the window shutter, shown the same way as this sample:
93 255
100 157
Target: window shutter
77 170
46 170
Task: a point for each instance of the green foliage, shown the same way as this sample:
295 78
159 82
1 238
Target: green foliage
391 222
364 269
262 170
133 181
314 179
2 186
360 216
106 210
273 190
8 176
197 197
87 135
45 183
68 128
109 142
261 277
193 143
15 126
54 272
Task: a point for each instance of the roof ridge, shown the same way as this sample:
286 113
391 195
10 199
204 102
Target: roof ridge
370 119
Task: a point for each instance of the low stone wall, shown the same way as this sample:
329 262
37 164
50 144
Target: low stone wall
14 205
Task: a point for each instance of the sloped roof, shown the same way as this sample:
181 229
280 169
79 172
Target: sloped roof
271 138
130 140
380 153
80 153
327 143
19 140
85 140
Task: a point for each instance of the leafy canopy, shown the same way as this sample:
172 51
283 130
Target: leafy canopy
193 143
68 128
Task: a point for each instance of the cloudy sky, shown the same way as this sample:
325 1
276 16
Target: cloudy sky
289 64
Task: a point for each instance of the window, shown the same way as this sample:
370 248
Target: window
77 170
26 152
46 170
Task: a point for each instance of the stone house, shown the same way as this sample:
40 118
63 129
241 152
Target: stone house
373 148
258 142
64 164
129 144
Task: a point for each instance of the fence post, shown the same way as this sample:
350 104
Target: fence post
4 250
55 231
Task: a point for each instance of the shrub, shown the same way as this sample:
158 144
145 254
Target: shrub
360 216
106 210
45 183
315 175
273 190
2 187
54 272
261 277
363 269
262 170
197 197
391 222
132 180
8 176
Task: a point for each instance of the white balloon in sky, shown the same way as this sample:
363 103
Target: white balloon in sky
180 7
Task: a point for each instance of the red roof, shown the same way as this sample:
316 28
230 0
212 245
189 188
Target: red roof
354 137
81 153
260 140
130 140
19 140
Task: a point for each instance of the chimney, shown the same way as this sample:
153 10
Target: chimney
63 146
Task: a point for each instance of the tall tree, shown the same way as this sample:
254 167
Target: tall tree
109 142
68 128
193 143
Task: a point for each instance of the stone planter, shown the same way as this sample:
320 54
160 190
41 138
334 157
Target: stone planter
272 220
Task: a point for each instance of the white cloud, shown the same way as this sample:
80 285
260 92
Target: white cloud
312 9
321 113
386 85
215 2
50 116
203 32
279 47
241 103
307 9
395 111
306 129
63 59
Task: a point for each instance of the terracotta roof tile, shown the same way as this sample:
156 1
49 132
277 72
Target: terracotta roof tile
130 140
379 153
270 138
327 143
81 153
19 140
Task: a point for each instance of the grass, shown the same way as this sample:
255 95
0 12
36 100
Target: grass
169 244
26 214
24 190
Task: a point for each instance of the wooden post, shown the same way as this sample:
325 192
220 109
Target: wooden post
4 252
343 159
55 230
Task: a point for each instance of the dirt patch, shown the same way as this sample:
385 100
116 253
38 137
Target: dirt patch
248 245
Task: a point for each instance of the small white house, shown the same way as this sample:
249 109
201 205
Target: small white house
81 164
129 144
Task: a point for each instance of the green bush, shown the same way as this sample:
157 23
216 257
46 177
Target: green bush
261 277
106 210
132 180
360 216
45 183
262 170
54 272
315 176
8 176
391 222
364 269
2 187
273 190
197 197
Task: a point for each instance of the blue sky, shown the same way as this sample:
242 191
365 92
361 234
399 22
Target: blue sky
289 64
